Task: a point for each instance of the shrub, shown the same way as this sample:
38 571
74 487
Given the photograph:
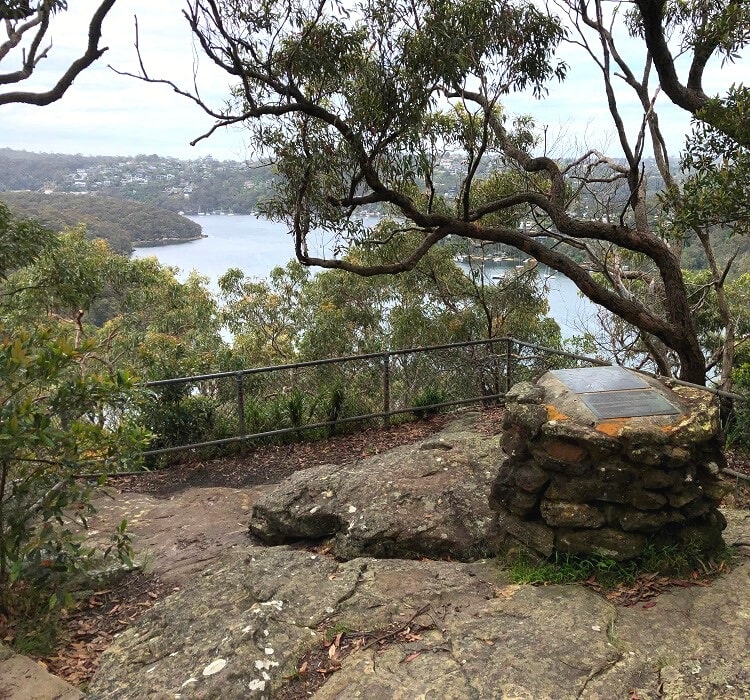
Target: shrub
56 420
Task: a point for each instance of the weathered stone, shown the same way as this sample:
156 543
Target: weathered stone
606 542
530 417
685 495
584 491
534 534
701 537
434 504
645 455
647 500
24 679
677 456
603 472
711 467
515 443
492 639
515 500
438 444
530 478
657 479
715 490
566 514
599 444
645 521
696 508
525 393
615 472
704 421
565 452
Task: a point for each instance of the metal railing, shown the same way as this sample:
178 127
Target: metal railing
410 380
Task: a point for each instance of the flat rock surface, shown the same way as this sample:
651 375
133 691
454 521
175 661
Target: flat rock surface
428 499
181 534
243 628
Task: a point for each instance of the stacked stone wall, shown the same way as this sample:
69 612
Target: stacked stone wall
611 488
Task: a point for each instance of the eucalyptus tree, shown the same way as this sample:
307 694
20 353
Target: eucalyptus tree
26 24
358 106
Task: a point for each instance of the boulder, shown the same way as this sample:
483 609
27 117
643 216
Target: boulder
429 499
24 679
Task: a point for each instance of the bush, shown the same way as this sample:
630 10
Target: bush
426 400
56 420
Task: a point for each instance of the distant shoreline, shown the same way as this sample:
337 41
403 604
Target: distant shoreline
167 241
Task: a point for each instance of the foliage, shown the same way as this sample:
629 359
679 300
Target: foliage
56 422
122 223
397 86
426 400
738 423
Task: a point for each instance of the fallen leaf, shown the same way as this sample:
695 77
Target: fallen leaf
303 668
646 606
411 657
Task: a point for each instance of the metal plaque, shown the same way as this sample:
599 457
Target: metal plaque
594 379
628 404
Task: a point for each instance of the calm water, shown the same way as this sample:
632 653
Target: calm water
256 246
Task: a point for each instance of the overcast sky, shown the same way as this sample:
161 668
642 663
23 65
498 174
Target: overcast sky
107 114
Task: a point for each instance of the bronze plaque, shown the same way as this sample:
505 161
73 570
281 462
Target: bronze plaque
628 404
595 379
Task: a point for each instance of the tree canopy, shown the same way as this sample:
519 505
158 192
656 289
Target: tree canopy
355 106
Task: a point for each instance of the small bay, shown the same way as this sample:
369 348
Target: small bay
256 245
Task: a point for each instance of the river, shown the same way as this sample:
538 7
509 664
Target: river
256 245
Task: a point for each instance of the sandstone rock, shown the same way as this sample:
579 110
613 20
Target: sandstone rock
647 500
24 679
532 534
645 521
606 542
615 472
566 452
600 444
529 416
565 488
515 500
566 514
658 479
524 393
530 478
255 616
413 501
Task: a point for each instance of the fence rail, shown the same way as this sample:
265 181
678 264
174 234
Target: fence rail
250 404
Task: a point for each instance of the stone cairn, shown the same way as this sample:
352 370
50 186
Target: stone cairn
575 482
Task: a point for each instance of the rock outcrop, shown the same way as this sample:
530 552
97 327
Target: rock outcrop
430 499
243 628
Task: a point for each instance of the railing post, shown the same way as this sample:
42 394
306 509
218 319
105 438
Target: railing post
386 390
241 428
508 355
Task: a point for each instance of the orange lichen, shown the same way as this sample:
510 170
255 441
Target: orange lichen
612 427
554 414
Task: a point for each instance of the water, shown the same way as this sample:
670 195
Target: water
256 245
253 244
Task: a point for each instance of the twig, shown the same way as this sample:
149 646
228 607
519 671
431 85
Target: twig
393 633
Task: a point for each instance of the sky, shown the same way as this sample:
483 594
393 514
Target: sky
107 114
